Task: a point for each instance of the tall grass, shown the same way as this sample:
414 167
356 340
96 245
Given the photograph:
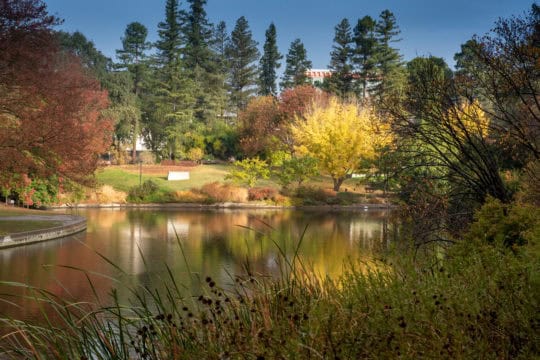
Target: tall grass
480 301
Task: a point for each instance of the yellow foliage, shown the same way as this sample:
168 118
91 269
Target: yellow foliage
470 120
339 135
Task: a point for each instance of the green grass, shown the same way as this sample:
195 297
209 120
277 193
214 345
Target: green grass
123 180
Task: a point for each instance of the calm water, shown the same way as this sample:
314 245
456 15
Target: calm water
143 243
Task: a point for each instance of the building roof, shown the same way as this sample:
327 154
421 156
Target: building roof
318 73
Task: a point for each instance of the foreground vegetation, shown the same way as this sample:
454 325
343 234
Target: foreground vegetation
481 297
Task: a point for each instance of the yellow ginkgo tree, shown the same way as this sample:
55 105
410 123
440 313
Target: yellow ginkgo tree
340 135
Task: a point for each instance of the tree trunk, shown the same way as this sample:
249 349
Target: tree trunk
337 183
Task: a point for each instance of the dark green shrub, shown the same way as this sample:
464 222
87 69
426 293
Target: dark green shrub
507 224
144 193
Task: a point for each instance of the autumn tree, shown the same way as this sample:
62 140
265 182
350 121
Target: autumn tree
506 79
297 64
340 135
258 123
50 107
294 103
445 136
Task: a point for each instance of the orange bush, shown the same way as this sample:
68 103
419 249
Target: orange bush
225 192
262 193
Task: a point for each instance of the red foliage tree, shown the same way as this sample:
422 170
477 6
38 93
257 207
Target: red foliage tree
50 109
258 122
265 123
295 101
293 104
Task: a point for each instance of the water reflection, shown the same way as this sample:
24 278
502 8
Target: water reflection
143 243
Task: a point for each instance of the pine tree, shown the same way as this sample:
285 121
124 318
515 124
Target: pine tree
365 53
242 53
390 68
169 32
133 58
202 63
218 44
169 111
269 63
341 81
91 58
297 64
220 39
198 36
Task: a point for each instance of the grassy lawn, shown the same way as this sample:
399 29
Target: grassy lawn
125 177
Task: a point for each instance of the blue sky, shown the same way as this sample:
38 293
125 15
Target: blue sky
428 27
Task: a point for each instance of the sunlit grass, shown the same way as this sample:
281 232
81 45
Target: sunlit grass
125 177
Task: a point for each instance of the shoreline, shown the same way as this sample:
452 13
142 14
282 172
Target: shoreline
226 205
71 224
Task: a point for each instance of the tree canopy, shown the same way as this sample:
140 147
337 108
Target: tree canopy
340 135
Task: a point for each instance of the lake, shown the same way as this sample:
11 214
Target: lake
144 244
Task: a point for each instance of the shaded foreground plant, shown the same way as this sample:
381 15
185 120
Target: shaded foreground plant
481 299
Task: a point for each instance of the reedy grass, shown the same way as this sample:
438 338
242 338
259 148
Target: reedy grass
479 301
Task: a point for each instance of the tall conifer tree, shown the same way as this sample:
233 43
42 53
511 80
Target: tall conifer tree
133 58
170 36
198 36
269 63
242 53
202 63
297 64
365 54
389 65
341 81
220 39
170 110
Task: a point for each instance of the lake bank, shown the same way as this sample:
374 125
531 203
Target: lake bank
51 226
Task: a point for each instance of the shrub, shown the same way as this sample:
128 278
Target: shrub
218 192
195 154
262 193
107 194
298 169
190 196
499 223
143 193
249 171
315 195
